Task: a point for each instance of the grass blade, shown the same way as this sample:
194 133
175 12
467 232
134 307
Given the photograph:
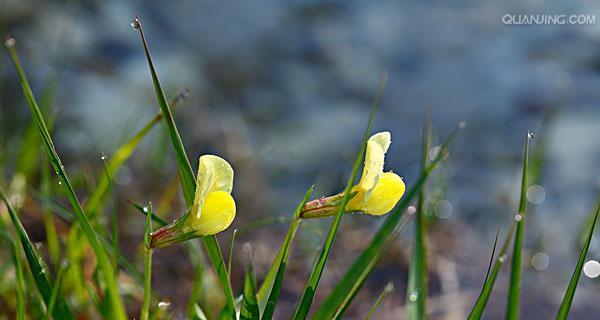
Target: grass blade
386 291
315 276
490 280
55 291
39 271
280 262
231 244
122 154
114 218
19 277
147 265
514 288
249 308
186 174
347 288
101 255
565 305
416 292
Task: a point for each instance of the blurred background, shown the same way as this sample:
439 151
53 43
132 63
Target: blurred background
282 90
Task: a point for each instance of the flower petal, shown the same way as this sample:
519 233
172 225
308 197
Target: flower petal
383 198
377 146
214 174
218 212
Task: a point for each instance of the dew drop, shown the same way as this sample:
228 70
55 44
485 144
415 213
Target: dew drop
518 217
592 269
60 182
145 209
411 210
10 42
502 258
413 296
530 135
135 24
103 157
462 125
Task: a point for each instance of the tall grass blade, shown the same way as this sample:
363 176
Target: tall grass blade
315 276
122 154
35 261
19 277
516 270
280 262
346 289
490 280
249 308
384 293
490 277
49 226
416 292
55 291
147 265
187 176
565 305
230 257
114 218
104 262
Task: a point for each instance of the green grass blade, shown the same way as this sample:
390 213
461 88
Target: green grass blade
187 176
122 154
249 308
565 305
19 277
55 291
490 276
114 218
315 276
198 313
347 288
514 287
280 264
147 265
386 291
49 226
35 261
104 262
231 244
417 278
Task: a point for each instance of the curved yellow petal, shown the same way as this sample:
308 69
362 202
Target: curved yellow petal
218 212
377 146
214 174
383 197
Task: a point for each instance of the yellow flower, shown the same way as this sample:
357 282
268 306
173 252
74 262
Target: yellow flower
213 209
376 193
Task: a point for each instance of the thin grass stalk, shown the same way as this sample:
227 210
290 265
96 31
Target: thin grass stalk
186 175
231 245
514 287
384 293
317 272
565 306
349 285
416 294
19 277
145 312
55 291
280 264
102 257
114 218
35 262
49 224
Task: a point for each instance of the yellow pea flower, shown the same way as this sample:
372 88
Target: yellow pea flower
376 193
213 209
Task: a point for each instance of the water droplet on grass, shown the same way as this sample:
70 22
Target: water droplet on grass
10 42
591 269
411 210
518 217
135 24
145 209
413 296
502 258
